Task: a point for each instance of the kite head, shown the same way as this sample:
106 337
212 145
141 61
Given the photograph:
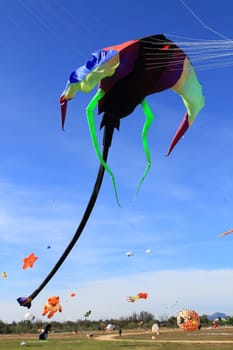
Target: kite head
69 92
102 64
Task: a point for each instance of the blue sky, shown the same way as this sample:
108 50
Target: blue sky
46 175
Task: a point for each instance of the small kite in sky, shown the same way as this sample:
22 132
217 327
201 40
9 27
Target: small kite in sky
87 314
125 74
226 233
29 261
72 295
142 295
4 274
129 254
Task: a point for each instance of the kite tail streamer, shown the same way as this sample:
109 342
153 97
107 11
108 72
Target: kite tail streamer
91 122
108 134
149 119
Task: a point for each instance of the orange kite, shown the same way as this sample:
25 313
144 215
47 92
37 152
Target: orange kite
29 261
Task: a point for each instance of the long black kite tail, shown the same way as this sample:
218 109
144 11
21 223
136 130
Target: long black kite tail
107 139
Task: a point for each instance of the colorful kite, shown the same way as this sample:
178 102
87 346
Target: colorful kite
52 306
188 320
72 295
29 261
226 233
137 297
125 75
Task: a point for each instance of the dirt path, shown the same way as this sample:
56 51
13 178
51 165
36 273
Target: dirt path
115 337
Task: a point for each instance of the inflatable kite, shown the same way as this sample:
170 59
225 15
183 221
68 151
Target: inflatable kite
110 327
52 306
137 297
29 261
188 320
125 75
155 328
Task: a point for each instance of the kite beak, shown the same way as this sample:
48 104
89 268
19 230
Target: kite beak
184 125
63 105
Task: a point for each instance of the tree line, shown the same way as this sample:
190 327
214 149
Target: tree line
142 320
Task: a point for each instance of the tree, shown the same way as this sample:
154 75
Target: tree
146 316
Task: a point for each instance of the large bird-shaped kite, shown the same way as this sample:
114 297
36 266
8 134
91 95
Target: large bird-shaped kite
125 75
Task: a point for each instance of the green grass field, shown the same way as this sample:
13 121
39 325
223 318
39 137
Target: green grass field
214 339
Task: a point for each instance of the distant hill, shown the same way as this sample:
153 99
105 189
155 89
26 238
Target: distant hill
216 315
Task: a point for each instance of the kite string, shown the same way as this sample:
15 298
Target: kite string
202 23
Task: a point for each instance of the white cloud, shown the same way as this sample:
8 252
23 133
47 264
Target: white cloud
205 291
